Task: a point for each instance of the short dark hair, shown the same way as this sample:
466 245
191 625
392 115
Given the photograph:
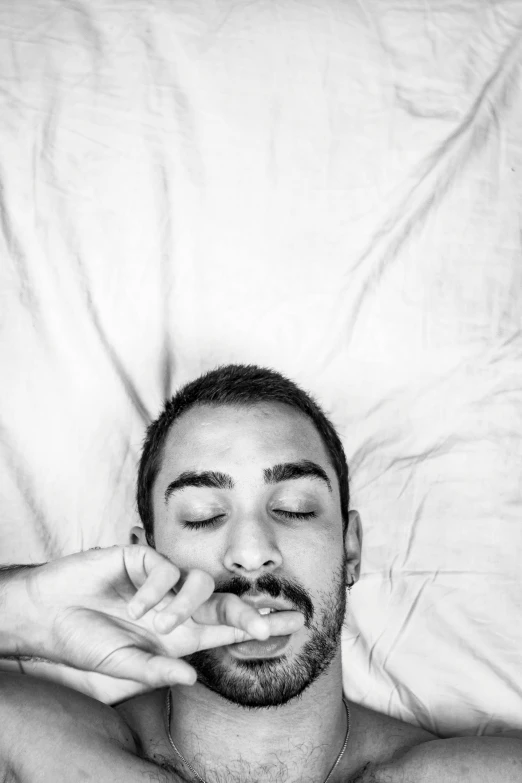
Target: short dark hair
235 385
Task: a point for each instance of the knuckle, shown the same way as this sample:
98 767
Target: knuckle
240 636
235 604
232 609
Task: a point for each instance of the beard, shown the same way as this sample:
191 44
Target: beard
272 682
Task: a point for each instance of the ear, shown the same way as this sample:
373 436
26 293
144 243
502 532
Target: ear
137 536
353 547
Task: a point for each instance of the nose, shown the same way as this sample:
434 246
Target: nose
251 547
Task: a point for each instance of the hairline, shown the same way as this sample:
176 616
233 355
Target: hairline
240 404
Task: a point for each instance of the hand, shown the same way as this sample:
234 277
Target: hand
113 611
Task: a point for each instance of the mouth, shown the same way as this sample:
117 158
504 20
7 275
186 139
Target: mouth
273 647
265 604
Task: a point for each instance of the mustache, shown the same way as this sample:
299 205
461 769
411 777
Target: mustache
275 588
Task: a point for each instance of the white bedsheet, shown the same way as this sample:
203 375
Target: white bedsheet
333 189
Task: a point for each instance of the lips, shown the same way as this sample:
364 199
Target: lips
255 649
262 602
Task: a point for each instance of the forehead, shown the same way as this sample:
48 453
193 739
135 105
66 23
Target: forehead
206 436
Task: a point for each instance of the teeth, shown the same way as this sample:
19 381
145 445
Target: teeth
265 610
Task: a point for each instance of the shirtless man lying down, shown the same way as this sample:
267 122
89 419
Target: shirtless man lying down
244 501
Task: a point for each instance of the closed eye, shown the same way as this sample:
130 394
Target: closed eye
203 522
295 514
282 512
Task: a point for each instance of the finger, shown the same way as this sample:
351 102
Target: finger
166 601
218 609
195 591
167 617
163 671
283 623
214 636
229 609
139 561
152 670
154 575
279 624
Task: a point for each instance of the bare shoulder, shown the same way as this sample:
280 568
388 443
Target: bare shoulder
53 703
383 736
496 759
52 733
376 740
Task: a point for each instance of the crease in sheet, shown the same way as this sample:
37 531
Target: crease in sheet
432 179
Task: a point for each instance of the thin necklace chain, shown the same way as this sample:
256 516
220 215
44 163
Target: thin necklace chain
184 760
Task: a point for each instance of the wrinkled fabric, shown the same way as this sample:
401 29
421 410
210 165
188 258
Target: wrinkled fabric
332 189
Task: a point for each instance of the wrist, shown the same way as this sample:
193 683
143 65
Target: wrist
18 626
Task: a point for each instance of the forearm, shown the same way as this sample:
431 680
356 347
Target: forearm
19 631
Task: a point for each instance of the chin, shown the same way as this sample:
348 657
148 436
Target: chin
269 681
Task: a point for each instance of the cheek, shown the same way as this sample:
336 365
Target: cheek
184 553
321 569
318 550
313 565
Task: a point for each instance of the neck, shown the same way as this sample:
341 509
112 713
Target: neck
298 741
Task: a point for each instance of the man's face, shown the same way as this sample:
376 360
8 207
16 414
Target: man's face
272 535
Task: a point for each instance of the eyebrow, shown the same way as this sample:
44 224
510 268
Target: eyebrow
295 470
286 471
208 478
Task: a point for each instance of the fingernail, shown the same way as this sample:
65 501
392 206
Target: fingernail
259 627
189 679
